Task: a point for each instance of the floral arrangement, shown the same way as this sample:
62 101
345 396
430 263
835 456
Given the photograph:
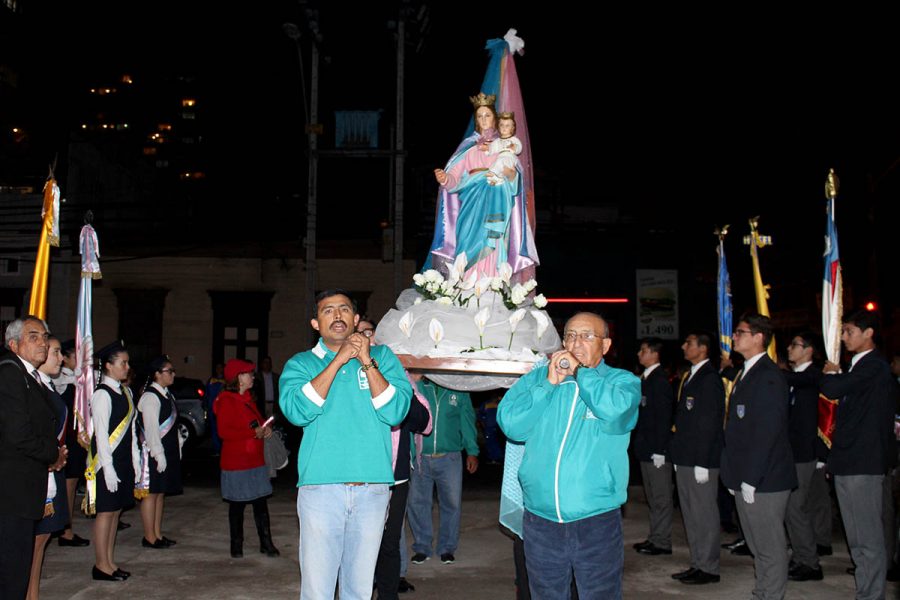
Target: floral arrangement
458 289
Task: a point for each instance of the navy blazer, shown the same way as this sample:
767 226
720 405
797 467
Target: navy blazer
28 442
653 431
757 450
803 412
699 415
863 442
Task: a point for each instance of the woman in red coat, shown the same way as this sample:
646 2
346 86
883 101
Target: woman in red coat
245 477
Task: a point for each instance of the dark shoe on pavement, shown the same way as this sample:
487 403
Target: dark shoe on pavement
682 574
99 575
700 578
734 544
122 525
167 541
805 573
121 573
75 541
418 558
823 550
447 558
640 545
742 550
405 586
653 550
158 544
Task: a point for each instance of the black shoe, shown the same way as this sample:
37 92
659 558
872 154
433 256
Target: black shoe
682 574
447 558
237 548
76 541
121 573
823 550
167 541
405 586
701 578
122 525
418 558
640 545
99 575
805 573
742 550
269 549
734 544
653 550
158 544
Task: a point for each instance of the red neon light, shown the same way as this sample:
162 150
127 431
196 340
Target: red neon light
589 300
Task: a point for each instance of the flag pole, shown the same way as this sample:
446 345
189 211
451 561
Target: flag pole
755 241
37 304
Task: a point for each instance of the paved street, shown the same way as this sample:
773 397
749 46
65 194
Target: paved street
200 567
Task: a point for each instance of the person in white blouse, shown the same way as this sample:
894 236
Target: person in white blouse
160 472
110 472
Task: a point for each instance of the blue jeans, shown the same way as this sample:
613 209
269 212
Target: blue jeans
445 472
340 531
592 548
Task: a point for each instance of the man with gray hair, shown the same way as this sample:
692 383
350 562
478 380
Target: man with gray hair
28 447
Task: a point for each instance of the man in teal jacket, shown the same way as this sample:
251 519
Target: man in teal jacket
575 416
346 395
441 466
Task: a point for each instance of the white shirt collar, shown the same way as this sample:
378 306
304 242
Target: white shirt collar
802 366
164 391
748 364
649 370
116 385
695 368
45 378
858 356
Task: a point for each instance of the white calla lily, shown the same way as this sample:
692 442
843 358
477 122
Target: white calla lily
406 323
436 331
505 270
481 286
481 318
469 282
543 321
516 318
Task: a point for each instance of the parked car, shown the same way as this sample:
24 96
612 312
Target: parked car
191 403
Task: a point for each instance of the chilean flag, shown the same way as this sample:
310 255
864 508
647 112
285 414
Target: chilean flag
832 313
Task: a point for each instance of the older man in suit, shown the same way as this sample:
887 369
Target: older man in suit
757 462
28 447
863 448
696 449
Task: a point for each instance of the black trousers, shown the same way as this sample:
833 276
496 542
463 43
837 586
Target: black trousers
387 569
16 549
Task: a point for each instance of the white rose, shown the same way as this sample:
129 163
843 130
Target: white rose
496 284
530 284
433 275
419 279
540 301
445 301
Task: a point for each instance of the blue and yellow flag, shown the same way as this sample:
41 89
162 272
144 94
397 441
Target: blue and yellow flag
724 298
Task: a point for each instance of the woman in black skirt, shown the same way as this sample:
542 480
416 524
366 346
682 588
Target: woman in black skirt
112 451
56 511
77 459
160 474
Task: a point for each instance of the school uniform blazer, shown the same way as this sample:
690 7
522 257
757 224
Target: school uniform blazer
653 431
863 442
757 450
699 415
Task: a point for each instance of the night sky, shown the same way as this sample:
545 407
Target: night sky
677 124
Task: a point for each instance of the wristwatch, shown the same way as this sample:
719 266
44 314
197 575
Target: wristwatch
371 365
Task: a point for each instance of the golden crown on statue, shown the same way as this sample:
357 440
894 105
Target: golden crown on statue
482 100
507 115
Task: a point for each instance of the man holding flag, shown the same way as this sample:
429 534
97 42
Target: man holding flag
863 447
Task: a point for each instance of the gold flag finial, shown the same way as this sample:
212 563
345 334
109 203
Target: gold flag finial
832 185
721 232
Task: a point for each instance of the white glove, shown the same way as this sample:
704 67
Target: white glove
748 492
658 460
109 476
820 465
701 474
731 492
674 467
160 463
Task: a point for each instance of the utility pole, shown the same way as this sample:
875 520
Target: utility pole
399 159
313 129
